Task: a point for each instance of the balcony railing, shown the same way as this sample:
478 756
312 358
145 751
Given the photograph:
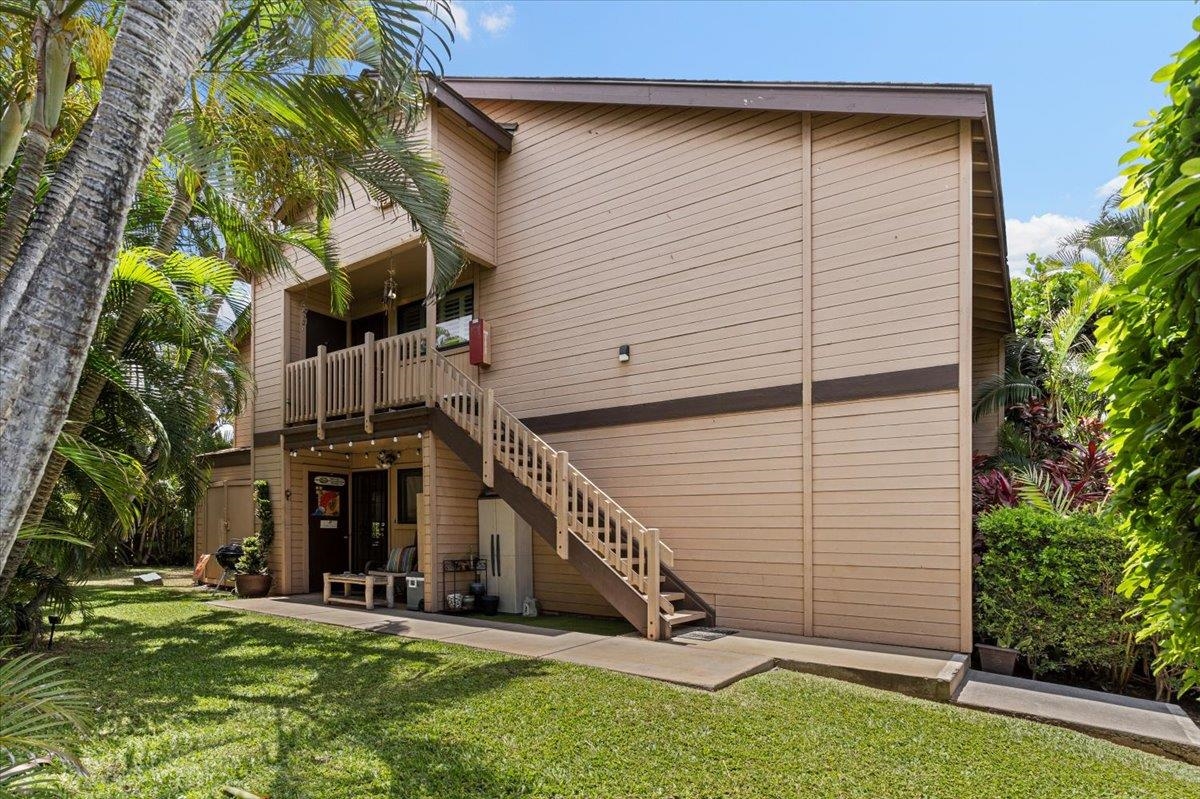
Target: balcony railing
356 381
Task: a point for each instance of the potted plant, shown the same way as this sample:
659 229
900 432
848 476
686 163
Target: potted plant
252 579
998 658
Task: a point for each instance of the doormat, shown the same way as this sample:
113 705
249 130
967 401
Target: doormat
705 634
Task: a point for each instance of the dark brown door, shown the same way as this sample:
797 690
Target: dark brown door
370 520
372 323
328 527
321 329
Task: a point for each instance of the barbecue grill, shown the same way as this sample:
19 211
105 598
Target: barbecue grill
227 558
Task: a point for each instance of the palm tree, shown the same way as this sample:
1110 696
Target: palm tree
67 256
252 76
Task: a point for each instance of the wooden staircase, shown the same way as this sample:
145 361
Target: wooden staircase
625 561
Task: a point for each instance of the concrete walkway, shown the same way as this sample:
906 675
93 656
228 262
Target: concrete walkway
1157 727
711 660
707 670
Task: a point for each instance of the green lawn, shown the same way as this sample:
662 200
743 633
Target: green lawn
191 697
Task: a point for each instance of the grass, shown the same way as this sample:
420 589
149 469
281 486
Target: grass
190 698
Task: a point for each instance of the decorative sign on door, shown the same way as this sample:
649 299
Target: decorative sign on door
327 500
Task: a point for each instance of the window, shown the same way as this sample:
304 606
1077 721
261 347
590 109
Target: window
454 314
408 486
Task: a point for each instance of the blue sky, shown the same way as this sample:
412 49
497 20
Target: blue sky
1070 78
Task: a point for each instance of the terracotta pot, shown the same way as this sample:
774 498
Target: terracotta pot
997 659
252 586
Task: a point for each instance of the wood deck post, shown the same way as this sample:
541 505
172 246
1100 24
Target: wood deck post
368 382
321 352
487 437
652 583
562 466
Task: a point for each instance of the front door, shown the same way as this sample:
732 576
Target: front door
370 520
328 527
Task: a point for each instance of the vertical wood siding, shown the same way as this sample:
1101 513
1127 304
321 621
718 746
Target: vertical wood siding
675 231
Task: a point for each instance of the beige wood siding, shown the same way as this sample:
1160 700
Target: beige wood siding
243 425
987 361
558 586
886 523
675 231
209 533
453 492
725 492
885 244
469 162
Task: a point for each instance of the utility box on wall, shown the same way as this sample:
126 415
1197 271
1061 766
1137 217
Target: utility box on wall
480 338
506 543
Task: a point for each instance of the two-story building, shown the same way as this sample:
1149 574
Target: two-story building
733 332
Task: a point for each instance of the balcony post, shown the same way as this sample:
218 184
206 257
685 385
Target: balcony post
321 351
487 437
561 467
651 558
368 382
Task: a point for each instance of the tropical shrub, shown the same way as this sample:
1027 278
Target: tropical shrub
263 513
1149 370
1047 585
254 556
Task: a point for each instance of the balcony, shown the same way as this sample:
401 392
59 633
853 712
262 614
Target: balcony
357 381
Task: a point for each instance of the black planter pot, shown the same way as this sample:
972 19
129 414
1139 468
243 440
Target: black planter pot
252 586
997 659
489 604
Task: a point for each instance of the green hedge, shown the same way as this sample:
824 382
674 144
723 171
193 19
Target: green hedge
1047 585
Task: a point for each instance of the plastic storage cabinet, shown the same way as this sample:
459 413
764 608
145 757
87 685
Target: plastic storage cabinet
506 542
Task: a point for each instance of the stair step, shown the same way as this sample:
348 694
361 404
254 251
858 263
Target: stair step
672 596
685 617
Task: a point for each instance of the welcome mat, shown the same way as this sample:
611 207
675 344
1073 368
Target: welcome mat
704 634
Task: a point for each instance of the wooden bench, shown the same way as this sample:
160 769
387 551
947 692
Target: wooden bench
368 581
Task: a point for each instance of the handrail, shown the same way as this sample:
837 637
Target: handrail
335 383
398 370
582 509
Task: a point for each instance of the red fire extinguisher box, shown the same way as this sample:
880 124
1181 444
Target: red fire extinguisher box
480 336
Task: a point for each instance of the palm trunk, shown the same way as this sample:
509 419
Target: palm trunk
44 342
24 195
88 392
52 43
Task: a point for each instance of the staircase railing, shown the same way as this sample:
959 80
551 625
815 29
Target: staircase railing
628 547
402 373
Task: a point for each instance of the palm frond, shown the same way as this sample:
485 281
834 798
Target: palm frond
44 709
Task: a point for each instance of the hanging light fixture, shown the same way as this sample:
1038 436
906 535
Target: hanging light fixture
389 287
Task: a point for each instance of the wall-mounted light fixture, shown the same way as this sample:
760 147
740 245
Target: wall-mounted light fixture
623 353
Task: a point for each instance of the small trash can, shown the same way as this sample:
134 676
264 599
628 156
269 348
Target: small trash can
415 591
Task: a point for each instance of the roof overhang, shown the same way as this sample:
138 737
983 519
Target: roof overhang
448 98
953 100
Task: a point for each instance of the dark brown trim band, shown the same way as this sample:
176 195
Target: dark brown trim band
845 389
936 100
887 384
239 456
755 399
406 422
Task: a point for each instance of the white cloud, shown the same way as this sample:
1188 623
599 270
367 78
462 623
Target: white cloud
462 20
1114 185
1039 234
496 21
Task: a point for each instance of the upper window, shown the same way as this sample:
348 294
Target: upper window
454 314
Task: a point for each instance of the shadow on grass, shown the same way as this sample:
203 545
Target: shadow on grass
335 706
